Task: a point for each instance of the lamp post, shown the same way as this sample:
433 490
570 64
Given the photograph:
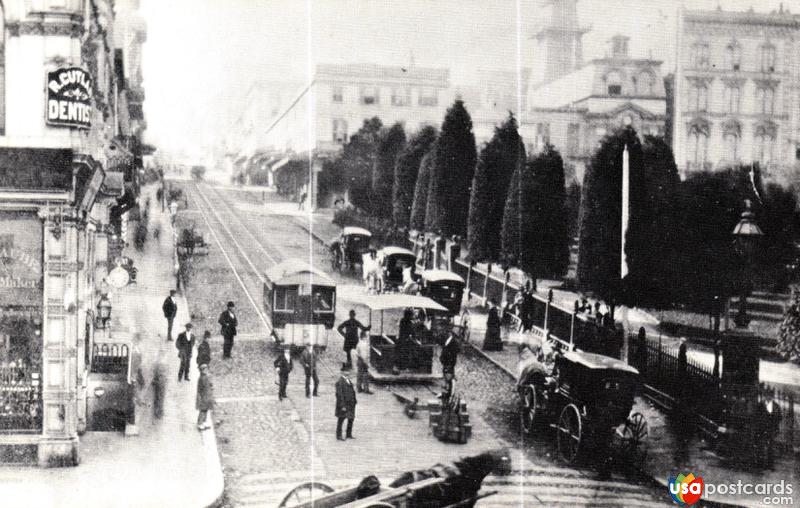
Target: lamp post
746 236
103 311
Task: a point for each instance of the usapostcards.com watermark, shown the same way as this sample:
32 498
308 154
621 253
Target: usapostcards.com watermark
687 489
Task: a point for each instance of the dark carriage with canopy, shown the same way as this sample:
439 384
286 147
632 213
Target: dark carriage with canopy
348 249
393 261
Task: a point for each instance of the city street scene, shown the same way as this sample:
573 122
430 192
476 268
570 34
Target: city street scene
354 253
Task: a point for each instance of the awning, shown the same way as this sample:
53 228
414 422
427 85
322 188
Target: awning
35 168
113 184
356 294
278 165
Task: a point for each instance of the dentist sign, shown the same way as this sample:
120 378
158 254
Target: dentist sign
69 98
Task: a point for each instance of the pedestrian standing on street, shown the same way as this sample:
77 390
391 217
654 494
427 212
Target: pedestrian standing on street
449 354
492 341
173 211
170 309
185 345
350 330
205 397
283 366
204 350
345 406
228 322
159 384
362 357
308 358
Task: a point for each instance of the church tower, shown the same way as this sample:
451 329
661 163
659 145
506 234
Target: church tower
560 40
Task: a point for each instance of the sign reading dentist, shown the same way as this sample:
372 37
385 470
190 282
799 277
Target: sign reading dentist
69 98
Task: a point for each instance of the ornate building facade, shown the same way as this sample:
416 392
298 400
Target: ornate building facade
736 91
69 158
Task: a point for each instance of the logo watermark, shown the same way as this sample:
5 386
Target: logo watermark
686 489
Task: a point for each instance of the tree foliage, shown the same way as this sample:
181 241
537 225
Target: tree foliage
789 336
405 174
358 157
510 233
496 165
391 142
420 203
452 172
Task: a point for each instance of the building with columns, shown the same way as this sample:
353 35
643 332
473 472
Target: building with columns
737 91
70 154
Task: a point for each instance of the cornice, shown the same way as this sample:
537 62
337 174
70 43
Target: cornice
73 28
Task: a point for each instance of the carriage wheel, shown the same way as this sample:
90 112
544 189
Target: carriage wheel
634 437
570 433
531 407
305 492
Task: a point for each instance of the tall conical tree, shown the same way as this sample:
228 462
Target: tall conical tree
358 157
453 169
543 218
496 165
405 174
420 204
511 234
789 336
392 142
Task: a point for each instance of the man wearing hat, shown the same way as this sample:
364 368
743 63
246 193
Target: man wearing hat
205 397
204 350
170 309
308 358
185 345
345 405
228 322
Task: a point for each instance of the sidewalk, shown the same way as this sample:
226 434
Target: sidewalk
170 463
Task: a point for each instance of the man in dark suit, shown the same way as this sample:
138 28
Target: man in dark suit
308 358
345 405
350 330
204 350
449 354
170 309
227 320
283 366
185 345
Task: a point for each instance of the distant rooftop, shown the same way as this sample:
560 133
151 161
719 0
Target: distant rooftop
775 18
373 72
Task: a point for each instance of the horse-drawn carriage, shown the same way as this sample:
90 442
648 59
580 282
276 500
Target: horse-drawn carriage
301 303
456 485
348 249
443 287
191 242
394 262
586 398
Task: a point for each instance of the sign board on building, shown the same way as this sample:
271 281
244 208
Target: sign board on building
20 260
69 98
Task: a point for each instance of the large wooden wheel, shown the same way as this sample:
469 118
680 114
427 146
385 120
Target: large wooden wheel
570 433
531 408
634 436
304 493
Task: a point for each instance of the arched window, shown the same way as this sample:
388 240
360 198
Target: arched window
645 84
765 100
731 132
733 56
614 83
698 145
764 144
767 57
731 98
700 55
698 96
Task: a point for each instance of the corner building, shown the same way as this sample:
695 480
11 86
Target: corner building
63 177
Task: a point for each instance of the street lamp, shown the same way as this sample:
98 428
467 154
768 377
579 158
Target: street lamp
103 311
746 236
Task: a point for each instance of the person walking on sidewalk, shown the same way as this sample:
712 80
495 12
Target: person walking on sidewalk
283 366
492 340
350 330
205 397
449 354
345 406
170 310
185 345
227 320
362 357
204 350
308 358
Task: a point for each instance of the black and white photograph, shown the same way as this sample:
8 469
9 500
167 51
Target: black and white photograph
399 253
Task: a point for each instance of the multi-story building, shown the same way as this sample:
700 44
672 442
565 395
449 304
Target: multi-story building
69 158
736 91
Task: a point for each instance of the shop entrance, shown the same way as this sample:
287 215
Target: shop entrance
20 372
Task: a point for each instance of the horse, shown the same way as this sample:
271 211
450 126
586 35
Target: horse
371 273
463 479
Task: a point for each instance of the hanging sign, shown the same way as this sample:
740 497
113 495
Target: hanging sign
69 98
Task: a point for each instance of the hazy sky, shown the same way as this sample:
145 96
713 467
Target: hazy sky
201 56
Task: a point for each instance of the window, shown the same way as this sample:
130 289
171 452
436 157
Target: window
285 299
428 97
542 136
765 100
767 56
401 96
698 96
733 56
645 84
338 94
764 145
370 95
573 139
700 55
731 142
339 131
731 99
614 83
698 145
